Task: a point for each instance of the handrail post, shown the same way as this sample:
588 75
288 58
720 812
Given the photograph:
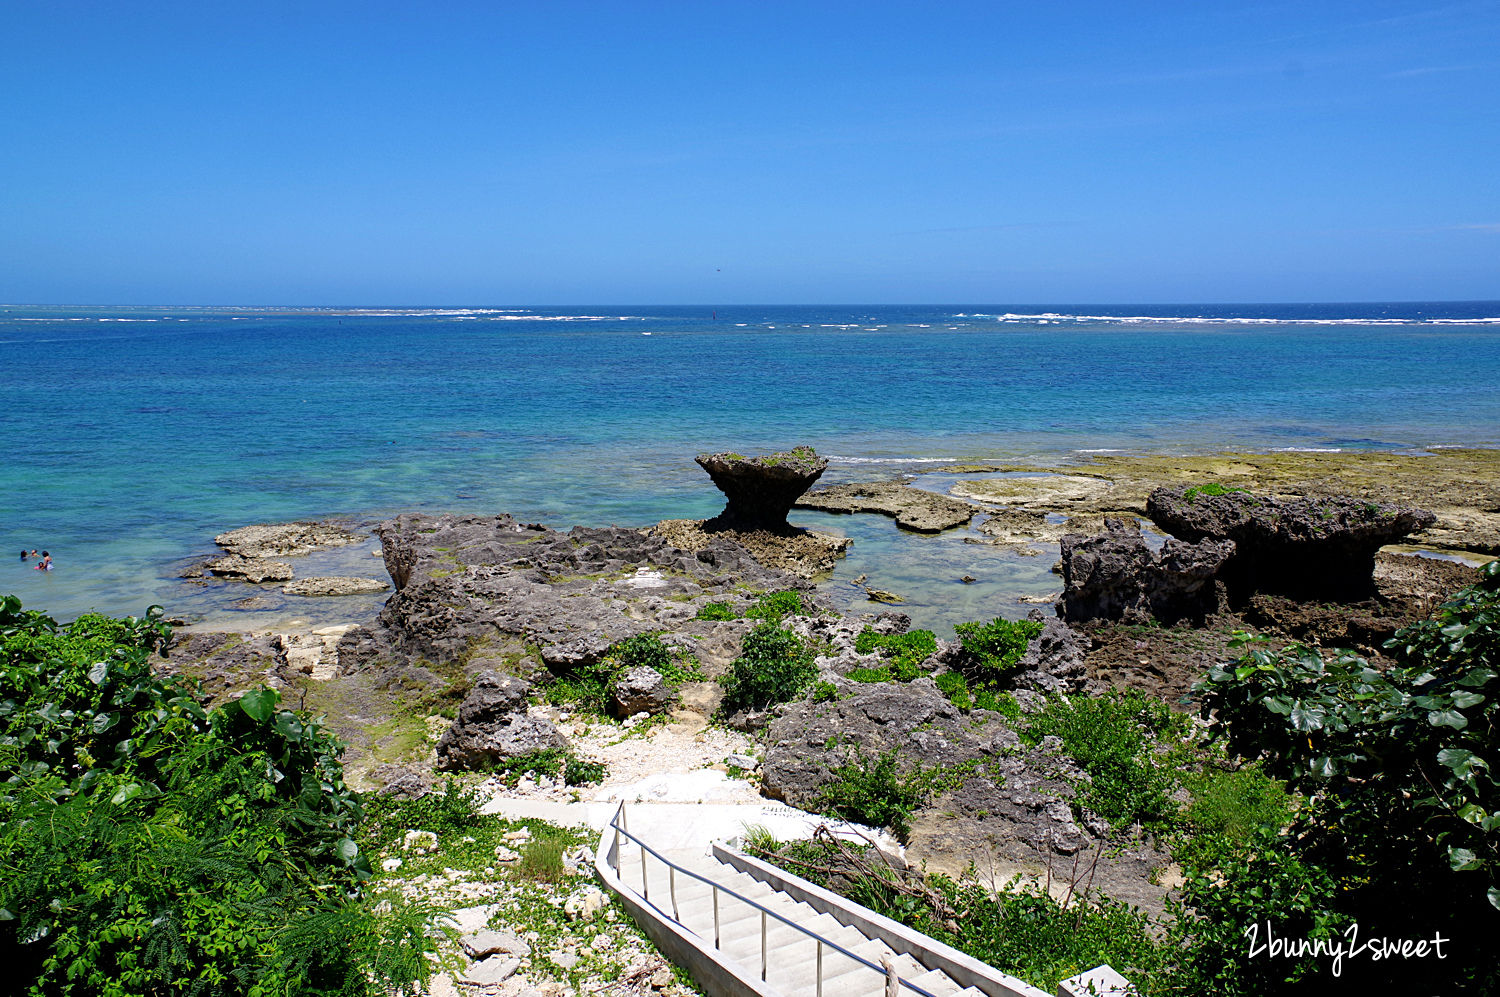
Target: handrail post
672 891
716 915
763 944
820 967
645 886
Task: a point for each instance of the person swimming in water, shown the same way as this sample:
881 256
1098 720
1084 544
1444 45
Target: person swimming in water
25 553
45 564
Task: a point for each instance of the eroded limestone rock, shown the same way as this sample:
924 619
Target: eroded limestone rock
250 569
335 585
640 690
283 539
1114 575
1308 548
760 491
912 508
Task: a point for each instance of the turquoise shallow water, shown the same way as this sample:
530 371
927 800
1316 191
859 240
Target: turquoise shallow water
132 436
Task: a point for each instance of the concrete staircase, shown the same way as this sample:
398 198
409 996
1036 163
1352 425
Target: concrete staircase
744 928
772 937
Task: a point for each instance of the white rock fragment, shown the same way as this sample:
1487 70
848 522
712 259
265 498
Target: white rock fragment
422 842
391 865
494 970
482 944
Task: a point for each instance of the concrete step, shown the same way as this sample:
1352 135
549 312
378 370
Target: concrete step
829 927
744 946
859 977
936 982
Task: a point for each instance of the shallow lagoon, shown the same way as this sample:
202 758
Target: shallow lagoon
133 436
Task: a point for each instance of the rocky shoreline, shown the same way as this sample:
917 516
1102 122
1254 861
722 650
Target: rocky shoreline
488 614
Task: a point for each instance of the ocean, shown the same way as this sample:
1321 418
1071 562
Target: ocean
133 435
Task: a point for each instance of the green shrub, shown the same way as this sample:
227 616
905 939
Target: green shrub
869 675
952 685
825 692
873 791
777 606
715 611
906 651
150 846
1403 807
582 772
554 763
642 650
455 809
1003 703
774 666
1235 896
1117 739
993 649
1227 808
586 687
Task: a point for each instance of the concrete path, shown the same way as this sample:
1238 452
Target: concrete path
687 828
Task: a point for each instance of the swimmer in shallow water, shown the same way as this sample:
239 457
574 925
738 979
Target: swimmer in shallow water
45 564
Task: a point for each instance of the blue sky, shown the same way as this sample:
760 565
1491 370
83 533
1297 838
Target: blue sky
632 153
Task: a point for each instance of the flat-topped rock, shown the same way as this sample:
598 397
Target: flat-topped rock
283 539
1310 548
912 508
760 491
335 585
251 569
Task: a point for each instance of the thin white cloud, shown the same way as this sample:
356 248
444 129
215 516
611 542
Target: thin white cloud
1430 70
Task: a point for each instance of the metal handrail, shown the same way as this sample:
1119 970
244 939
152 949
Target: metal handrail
617 825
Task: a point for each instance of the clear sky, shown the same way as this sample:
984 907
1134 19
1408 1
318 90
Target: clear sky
760 152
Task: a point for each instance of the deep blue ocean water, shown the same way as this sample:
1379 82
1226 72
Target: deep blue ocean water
133 435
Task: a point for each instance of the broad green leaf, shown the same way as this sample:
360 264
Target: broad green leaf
126 793
99 672
1461 760
259 704
1447 718
1307 719
1493 893
347 850
1462 859
1477 677
1464 700
104 722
